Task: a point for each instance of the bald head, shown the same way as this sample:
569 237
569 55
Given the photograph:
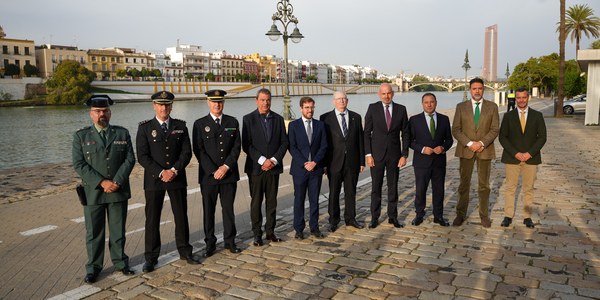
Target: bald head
386 93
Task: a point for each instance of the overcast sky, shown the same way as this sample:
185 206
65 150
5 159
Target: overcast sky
414 36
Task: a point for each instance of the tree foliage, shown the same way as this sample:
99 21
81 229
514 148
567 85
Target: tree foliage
12 70
579 21
542 72
595 44
70 84
30 70
426 87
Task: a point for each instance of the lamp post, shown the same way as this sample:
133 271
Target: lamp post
466 66
284 14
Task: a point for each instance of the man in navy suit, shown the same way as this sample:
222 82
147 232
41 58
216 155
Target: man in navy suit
265 143
384 122
430 137
345 159
308 146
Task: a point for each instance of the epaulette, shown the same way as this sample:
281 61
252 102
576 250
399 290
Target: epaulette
144 122
178 120
84 128
118 126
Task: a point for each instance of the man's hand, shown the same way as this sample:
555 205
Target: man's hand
267 165
523 157
310 165
370 161
109 186
167 175
402 162
475 147
427 150
220 172
438 150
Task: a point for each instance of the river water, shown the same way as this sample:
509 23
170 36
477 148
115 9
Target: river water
31 136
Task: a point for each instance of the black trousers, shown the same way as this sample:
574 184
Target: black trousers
154 205
263 186
210 193
390 166
437 177
349 178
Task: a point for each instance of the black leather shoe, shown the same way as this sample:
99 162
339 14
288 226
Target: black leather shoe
210 250
148 267
233 248
191 259
395 223
417 221
506 222
441 221
355 225
273 238
299 235
373 224
258 241
529 223
333 227
127 271
91 277
317 233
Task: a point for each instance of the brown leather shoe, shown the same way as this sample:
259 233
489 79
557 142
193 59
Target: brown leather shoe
459 220
486 222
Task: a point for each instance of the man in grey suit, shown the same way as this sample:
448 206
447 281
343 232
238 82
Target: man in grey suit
475 127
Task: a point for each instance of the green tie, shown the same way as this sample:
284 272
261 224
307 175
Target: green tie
477 112
431 126
103 135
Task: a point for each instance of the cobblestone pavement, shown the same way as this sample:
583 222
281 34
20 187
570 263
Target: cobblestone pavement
560 258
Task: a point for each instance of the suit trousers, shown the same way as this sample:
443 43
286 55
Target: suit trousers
349 178
483 175
528 175
390 167
95 218
310 183
423 176
263 186
154 206
210 193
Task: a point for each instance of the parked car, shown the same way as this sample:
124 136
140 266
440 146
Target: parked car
575 104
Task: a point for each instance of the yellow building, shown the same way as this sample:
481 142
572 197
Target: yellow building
231 66
267 66
15 51
105 62
48 57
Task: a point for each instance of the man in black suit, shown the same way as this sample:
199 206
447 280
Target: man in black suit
344 160
164 150
430 137
217 146
384 122
265 143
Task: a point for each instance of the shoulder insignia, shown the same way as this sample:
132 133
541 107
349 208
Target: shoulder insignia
182 121
144 122
84 128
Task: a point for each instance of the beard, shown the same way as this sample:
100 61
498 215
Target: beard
103 122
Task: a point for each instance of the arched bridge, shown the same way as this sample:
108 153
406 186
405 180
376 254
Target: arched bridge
452 85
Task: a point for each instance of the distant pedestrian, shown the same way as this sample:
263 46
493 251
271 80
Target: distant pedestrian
522 134
308 146
511 101
217 146
386 149
164 150
430 138
475 127
345 159
103 157
265 143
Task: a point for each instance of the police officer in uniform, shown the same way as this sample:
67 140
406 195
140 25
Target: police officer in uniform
511 101
103 157
164 150
217 145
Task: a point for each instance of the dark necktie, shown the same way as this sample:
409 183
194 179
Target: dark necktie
163 126
309 133
218 121
344 125
103 136
388 117
431 126
266 126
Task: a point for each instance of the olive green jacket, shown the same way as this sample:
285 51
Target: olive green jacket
95 161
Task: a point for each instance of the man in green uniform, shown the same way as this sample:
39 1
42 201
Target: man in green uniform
103 157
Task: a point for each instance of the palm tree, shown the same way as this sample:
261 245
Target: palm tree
580 20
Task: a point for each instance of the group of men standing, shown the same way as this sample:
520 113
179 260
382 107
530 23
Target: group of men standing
336 145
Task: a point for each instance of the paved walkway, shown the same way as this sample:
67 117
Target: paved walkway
560 258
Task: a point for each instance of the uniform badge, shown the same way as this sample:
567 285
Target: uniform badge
153 133
207 129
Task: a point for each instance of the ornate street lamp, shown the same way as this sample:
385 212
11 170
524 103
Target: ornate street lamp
466 66
284 14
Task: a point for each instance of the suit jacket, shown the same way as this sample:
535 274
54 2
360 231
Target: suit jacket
514 140
349 150
216 145
421 137
95 161
158 151
464 131
380 142
255 143
300 148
